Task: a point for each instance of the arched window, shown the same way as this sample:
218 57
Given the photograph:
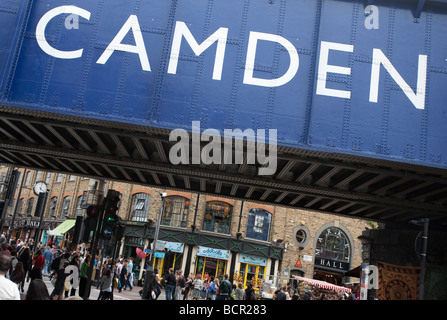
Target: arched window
65 207
175 211
218 217
52 211
29 209
258 224
140 207
333 244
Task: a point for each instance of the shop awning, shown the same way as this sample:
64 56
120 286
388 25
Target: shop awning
323 284
61 229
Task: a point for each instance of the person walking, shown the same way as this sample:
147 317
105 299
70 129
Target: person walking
239 293
58 291
198 285
48 255
38 264
123 277
8 289
225 289
25 258
179 285
150 284
83 277
170 284
211 292
105 285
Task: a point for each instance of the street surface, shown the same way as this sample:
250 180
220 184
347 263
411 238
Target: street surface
94 293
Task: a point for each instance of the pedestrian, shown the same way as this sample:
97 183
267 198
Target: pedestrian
123 277
58 290
188 287
280 294
8 289
17 275
105 285
47 254
14 262
197 291
250 292
37 290
75 263
180 283
157 281
130 276
239 293
170 284
150 284
38 264
225 289
211 292
83 277
25 258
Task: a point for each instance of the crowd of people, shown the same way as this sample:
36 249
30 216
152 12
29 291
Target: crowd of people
22 261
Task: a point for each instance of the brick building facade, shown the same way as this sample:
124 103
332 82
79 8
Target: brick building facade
201 234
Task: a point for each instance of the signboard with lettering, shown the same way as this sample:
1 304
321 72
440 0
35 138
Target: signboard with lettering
332 264
213 253
330 75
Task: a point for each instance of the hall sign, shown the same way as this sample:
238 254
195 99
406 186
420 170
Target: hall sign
220 37
26 223
332 264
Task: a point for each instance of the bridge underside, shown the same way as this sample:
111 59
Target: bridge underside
340 184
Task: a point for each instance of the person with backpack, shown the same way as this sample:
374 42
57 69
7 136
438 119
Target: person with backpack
58 266
225 289
211 292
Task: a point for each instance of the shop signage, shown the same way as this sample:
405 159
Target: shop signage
28 223
333 264
245 258
214 253
159 255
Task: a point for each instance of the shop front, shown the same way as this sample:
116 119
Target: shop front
252 269
168 255
211 263
332 254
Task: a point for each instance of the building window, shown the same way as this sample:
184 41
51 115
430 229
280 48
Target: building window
47 178
218 217
175 211
52 211
59 177
79 210
140 207
258 225
29 209
27 178
20 207
65 207
333 244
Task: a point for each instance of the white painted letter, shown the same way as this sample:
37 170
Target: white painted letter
324 68
251 55
179 152
139 48
372 18
42 24
418 98
181 30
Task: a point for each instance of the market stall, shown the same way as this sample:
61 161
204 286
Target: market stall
322 285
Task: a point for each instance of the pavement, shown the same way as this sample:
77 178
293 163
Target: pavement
94 292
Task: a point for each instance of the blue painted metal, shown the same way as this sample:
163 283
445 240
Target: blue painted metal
120 90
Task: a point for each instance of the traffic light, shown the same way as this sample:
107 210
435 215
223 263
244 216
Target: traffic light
110 217
92 212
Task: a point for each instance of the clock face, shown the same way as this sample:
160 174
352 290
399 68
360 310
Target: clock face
40 187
